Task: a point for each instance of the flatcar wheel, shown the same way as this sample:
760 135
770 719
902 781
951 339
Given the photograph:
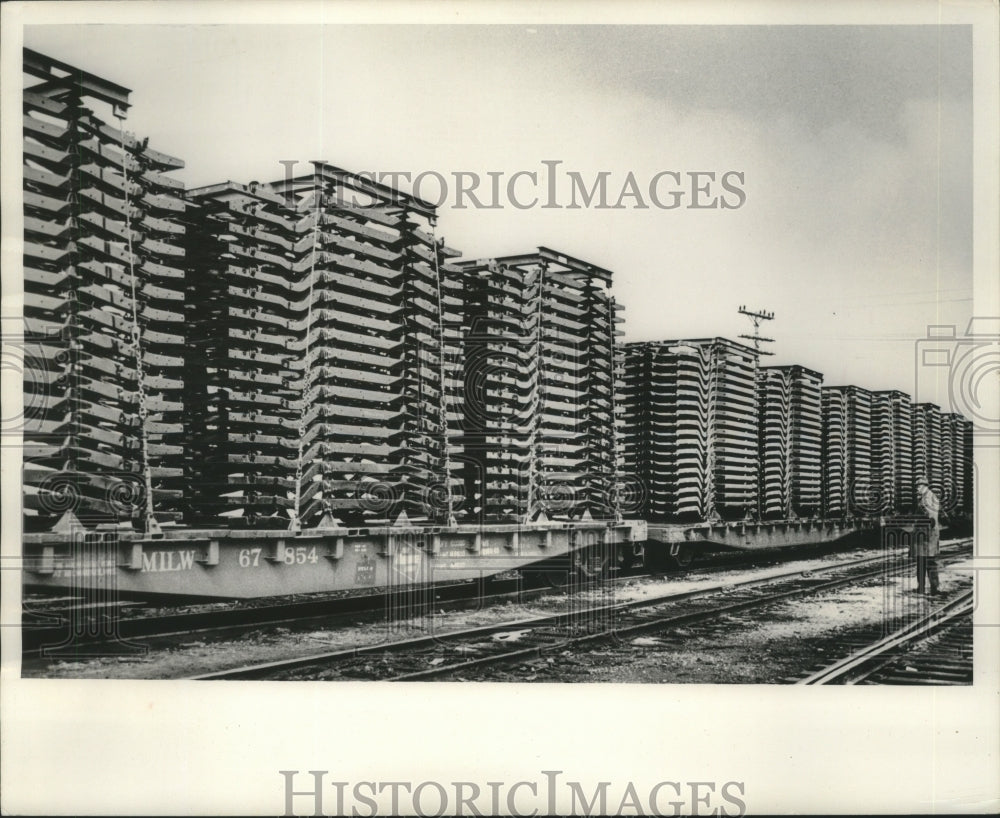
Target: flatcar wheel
684 557
556 579
624 558
552 577
592 566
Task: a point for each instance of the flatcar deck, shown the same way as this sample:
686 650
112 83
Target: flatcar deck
750 535
246 564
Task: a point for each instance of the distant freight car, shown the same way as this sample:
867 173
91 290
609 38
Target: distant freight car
829 461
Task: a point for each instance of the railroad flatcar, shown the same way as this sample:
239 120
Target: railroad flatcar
829 462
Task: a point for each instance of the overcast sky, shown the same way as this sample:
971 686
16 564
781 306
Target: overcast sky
855 144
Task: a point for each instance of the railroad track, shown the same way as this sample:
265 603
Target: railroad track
87 630
935 649
472 650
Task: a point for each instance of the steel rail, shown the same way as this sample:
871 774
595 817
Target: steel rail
858 666
405 602
659 623
268 669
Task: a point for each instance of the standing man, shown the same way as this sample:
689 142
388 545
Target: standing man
926 549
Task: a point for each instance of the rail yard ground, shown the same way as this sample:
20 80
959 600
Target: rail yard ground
765 647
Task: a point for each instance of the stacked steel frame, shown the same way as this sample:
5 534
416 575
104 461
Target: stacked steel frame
954 454
892 451
734 422
690 428
927 448
327 383
665 405
847 486
968 468
249 259
788 399
104 275
947 488
540 429
774 399
304 351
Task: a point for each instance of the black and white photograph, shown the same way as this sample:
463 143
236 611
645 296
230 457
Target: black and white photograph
637 370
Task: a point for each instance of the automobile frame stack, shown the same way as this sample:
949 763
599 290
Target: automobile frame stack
307 355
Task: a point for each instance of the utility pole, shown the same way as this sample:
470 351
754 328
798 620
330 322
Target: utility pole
757 338
757 317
